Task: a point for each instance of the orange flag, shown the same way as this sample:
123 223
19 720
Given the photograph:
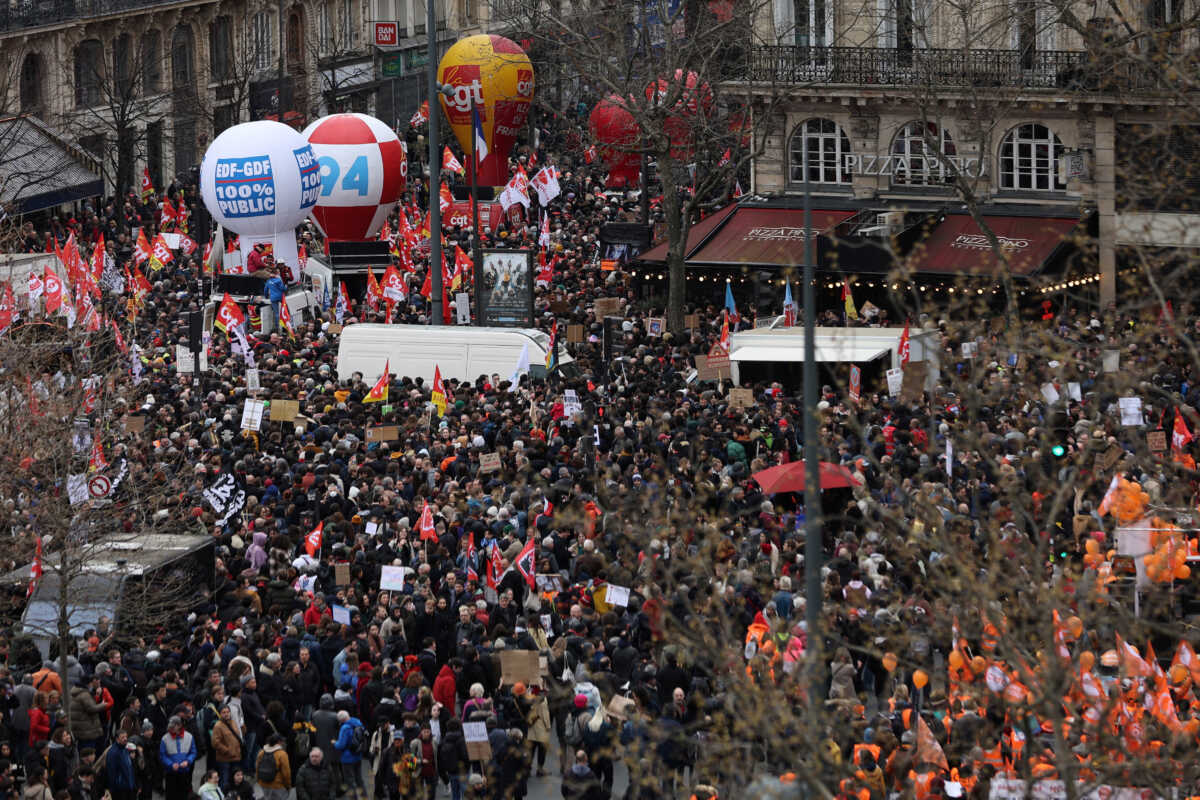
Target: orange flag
928 749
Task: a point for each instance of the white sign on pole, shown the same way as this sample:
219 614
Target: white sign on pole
1131 411
1074 392
571 404
341 614
392 578
462 308
1050 393
252 379
895 379
252 415
77 488
616 595
184 363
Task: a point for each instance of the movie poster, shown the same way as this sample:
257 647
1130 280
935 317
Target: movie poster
508 288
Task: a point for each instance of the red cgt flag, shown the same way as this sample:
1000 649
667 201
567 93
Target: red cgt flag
312 542
426 525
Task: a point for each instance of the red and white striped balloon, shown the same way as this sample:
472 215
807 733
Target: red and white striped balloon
364 167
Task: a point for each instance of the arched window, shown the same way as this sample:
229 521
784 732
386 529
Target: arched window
295 40
182 63
827 146
1029 157
151 58
33 75
919 154
122 66
89 72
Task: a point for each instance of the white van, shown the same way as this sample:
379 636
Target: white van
461 352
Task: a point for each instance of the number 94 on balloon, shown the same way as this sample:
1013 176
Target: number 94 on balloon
347 178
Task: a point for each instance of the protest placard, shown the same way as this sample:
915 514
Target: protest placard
741 398
617 595
478 746
489 462
284 410
392 578
341 574
519 666
252 415
383 433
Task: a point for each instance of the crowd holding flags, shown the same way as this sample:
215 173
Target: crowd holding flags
379 392
438 396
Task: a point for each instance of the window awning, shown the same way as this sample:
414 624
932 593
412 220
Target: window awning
697 235
40 170
959 246
764 236
835 351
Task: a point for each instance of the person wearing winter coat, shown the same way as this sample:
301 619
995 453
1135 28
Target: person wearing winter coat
39 720
278 787
315 780
424 750
352 774
63 759
118 768
211 788
537 716
580 783
85 714
177 752
226 747
513 767
445 686
842 671
453 762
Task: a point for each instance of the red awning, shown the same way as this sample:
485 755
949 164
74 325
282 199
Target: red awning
958 245
767 236
696 235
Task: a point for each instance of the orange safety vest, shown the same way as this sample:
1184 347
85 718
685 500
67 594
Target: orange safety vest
873 749
922 784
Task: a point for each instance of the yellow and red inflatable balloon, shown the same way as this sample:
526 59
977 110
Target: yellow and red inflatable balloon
492 77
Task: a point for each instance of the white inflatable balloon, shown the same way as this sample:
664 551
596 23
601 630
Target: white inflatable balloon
260 178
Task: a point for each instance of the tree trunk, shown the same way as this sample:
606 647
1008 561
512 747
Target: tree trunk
672 208
64 631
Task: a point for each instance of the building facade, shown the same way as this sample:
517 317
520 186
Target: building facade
149 83
1026 109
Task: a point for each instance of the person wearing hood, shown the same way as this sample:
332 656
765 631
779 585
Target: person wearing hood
85 714
444 686
352 774
257 551
273 770
580 783
325 720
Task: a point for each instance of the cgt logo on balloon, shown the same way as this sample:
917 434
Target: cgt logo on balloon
468 91
245 187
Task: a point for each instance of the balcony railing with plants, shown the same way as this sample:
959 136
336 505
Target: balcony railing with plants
35 13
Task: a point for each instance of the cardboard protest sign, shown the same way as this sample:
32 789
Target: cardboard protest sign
478 746
133 424
705 372
383 433
1157 441
341 574
392 578
607 307
284 410
575 334
489 462
741 398
519 665
617 596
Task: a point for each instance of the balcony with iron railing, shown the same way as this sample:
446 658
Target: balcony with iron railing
950 69
23 14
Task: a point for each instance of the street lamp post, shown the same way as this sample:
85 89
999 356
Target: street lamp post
435 173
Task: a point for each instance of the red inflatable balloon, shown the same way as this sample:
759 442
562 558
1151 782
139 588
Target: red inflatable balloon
691 103
616 135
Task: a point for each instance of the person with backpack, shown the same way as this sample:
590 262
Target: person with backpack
353 744
453 763
273 771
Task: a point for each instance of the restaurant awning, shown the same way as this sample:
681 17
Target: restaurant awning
764 236
697 235
958 246
41 170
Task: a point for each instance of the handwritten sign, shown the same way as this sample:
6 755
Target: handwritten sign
133 424
741 398
341 614
607 307
706 371
1131 411
341 574
383 433
575 334
617 595
478 746
489 462
691 322
284 410
334 329
895 379
1157 441
252 415
519 666
392 578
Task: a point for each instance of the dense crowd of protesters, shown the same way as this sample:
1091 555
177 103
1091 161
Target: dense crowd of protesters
649 488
